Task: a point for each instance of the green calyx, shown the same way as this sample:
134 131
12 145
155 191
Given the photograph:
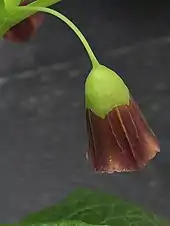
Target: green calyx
104 91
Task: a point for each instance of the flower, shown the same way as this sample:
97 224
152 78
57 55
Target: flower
121 141
24 30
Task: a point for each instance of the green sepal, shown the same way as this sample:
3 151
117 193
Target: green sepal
104 91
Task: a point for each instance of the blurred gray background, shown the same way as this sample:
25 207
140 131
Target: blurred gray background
42 119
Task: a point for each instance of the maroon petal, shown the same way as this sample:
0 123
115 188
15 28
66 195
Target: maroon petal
122 141
24 30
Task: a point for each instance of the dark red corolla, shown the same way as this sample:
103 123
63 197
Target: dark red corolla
122 141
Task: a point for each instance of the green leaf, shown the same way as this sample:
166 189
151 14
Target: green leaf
60 223
10 4
2 10
96 208
104 91
17 13
2 5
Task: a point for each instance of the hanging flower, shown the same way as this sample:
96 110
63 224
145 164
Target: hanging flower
119 140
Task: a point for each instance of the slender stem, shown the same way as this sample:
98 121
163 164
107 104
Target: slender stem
92 57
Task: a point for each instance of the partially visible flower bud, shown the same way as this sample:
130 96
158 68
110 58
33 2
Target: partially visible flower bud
24 30
119 138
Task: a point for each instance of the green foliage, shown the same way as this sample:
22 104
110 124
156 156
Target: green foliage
95 208
60 223
11 13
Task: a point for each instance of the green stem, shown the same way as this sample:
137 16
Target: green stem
92 57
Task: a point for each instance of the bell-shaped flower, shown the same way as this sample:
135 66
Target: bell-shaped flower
120 139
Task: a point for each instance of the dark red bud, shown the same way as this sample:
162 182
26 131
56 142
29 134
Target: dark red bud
122 141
